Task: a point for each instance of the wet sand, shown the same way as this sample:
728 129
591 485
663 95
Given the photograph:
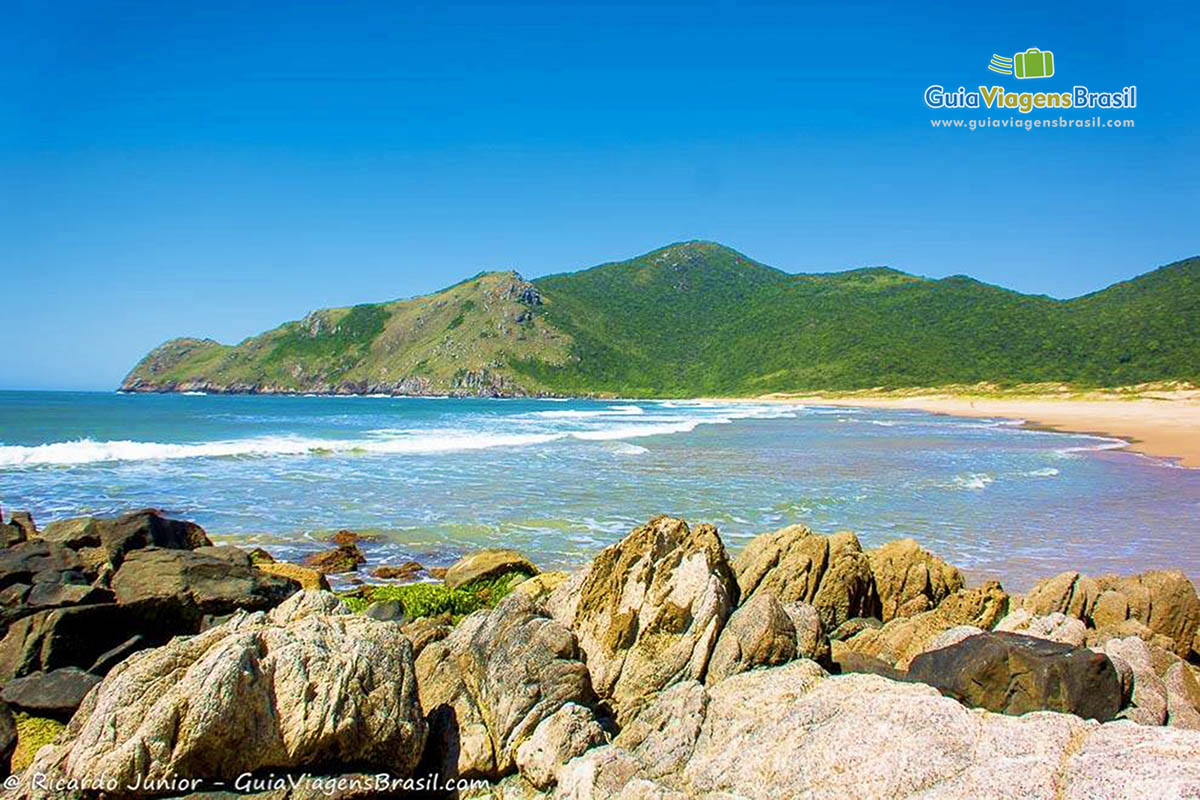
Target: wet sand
1162 424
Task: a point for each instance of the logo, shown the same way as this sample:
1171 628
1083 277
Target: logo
1033 63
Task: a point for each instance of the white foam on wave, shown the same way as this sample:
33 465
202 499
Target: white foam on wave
639 431
88 451
1048 472
627 449
972 481
611 411
614 423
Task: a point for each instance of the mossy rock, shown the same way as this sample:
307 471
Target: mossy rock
33 733
432 599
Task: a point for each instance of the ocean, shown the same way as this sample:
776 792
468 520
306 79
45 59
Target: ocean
429 479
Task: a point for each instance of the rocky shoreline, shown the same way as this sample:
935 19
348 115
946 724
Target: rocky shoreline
139 660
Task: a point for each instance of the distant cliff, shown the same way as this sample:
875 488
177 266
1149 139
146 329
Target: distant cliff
700 319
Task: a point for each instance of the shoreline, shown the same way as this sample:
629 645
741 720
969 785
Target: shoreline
1163 425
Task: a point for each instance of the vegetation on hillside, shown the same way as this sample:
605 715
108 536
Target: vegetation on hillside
700 319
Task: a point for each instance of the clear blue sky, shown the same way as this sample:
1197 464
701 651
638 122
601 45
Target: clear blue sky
214 169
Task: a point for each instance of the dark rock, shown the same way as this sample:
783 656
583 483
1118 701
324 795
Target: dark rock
1014 674
46 594
344 558
853 626
530 296
24 521
169 592
106 661
405 572
850 661
260 556
387 611
63 637
10 535
149 528
344 538
74 533
21 562
55 694
228 553
8 739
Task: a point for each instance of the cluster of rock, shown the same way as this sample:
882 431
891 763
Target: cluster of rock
82 595
665 669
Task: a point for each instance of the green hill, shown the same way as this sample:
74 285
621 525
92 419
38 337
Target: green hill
700 319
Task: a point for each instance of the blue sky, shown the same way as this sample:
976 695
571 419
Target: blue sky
214 169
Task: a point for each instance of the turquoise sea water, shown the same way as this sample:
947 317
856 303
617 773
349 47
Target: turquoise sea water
433 478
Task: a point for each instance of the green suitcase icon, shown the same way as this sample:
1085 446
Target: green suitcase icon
1034 63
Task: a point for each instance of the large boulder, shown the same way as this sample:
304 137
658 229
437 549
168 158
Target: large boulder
648 610
791 731
487 564
343 558
307 685
65 637
904 573
1164 601
811 639
22 562
487 686
1183 696
759 633
1010 673
797 565
900 640
565 734
8 738
1056 626
121 535
1069 593
11 534
1148 692
170 592
56 694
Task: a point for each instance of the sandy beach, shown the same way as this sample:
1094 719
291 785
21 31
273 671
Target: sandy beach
1160 423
